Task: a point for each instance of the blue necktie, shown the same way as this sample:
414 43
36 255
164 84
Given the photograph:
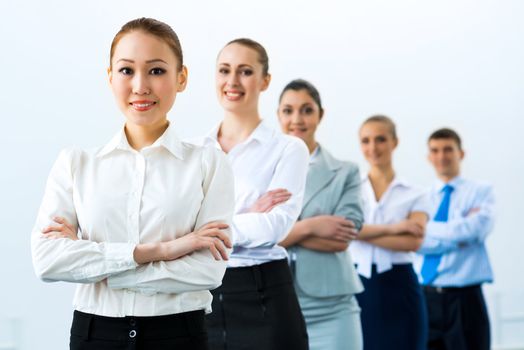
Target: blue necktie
431 261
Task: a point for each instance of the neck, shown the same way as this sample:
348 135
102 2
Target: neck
446 178
383 174
237 127
140 136
311 145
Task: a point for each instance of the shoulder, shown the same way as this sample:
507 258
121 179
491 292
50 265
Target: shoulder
479 188
207 153
290 145
350 168
408 192
74 157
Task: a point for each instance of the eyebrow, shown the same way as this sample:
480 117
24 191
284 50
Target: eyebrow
148 61
240 65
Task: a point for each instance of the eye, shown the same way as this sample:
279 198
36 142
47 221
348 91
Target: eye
381 139
126 71
364 140
157 71
223 71
246 72
287 111
308 110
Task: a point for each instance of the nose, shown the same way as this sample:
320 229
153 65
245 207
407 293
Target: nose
296 117
372 146
232 79
141 85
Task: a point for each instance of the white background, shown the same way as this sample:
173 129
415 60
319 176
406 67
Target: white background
425 64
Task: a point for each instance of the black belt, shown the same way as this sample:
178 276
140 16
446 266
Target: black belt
444 290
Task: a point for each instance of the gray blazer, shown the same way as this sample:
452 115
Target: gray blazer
332 188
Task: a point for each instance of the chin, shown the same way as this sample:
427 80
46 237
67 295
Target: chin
143 120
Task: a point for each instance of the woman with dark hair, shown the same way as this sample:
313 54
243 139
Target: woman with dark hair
256 307
324 275
141 224
395 216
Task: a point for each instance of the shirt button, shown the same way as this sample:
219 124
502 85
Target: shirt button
132 334
132 322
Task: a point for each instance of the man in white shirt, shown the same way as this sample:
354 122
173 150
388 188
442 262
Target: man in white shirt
453 261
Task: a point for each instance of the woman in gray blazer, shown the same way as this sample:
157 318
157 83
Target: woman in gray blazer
324 275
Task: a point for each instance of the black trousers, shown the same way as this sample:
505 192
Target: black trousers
393 312
257 308
171 332
458 319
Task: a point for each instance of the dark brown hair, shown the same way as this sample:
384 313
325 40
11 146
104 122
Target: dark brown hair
154 27
263 58
301 84
446 133
385 120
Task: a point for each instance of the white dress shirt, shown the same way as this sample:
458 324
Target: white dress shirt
396 204
119 197
265 161
461 239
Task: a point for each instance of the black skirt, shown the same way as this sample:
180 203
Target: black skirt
178 331
257 308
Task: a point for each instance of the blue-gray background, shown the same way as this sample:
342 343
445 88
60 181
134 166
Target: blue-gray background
425 64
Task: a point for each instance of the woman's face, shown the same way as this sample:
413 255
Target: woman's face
239 78
377 143
299 115
145 78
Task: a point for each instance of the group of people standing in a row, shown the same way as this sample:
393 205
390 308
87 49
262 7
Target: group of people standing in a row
148 225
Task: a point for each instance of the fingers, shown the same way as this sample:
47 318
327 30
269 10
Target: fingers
218 234
216 247
348 223
63 221
55 235
51 228
213 225
269 201
346 234
277 191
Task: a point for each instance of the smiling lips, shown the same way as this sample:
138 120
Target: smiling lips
142 106
233 95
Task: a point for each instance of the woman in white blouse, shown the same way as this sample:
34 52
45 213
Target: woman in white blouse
395 214
256 307
140 223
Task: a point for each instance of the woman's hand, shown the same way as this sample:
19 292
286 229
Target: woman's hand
61 228
407 227
209 236
269 200
333 227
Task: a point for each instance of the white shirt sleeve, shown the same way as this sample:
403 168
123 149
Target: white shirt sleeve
267 229
199 270
64 259
422 204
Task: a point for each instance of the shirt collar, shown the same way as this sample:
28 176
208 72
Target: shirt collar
167 140
313 158
455 182
262 133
